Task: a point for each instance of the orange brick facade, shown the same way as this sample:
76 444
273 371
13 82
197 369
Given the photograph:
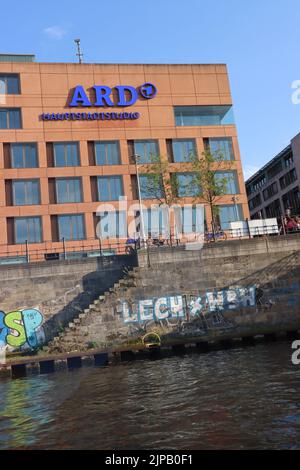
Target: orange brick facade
46 88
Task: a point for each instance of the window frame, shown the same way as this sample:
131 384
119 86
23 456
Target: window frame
145 142
8 119
23 145
75 144
39 218
182 141
108 178
5 76
68 179
107 143
26 192
82 217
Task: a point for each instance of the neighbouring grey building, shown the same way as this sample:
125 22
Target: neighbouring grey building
274 189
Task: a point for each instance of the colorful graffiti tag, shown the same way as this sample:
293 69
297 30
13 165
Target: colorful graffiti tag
21 329
163 308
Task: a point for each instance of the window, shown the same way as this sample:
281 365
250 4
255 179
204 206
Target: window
273 209
10 118
291 200
183 150
187 185
203 115
68 190
155 220
221 147
270 191
228 181
110 188
274 169
26 192
190 219
71 227
228 214
288 178
24 155
259 183
112 224
107 153
28 228
289 160
255 202
147 189
66 154
9 84
146 150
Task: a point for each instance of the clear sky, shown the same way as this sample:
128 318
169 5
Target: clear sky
258 39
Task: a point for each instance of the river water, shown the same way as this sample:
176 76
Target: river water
242 398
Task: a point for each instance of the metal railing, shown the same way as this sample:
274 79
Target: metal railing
63 250
94 247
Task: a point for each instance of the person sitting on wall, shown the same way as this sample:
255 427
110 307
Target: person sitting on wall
290 224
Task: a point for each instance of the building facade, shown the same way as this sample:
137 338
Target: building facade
274 189
69 133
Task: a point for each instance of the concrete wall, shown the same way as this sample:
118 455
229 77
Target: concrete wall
59 290
233 288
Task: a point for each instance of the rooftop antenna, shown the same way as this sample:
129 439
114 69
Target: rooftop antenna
79 51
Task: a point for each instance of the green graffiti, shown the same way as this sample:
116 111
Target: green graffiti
14 321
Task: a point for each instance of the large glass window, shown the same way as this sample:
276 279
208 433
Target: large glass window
227 180
186 185
232 213
183 150
107 153
26 192
9 84
221 147
110 188
190 219
148 190
155 220
66 154
68 190
112 225
28 228
24 155
71 227
146 150
10 118
203 115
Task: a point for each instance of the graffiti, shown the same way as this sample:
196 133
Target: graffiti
263 302
22 329
180 308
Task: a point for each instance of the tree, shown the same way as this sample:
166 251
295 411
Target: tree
202 184
160 184
205 185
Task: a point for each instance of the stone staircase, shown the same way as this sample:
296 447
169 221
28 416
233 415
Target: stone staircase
92 327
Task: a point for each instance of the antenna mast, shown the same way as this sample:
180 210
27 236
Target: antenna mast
79 51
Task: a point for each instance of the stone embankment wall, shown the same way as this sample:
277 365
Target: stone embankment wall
54 291
228 289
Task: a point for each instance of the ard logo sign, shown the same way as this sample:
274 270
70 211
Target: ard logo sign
104 97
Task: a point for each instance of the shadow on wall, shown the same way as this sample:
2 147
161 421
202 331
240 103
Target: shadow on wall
269 297
109 271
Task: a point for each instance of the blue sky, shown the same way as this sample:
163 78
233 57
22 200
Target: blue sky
259 40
